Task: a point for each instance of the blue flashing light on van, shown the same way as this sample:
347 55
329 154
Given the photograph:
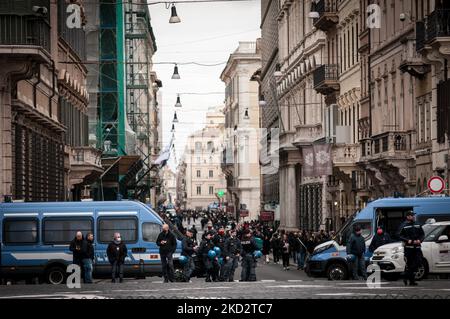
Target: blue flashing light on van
35 237
329 258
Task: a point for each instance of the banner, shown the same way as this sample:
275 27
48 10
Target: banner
317 160
323 164
308 161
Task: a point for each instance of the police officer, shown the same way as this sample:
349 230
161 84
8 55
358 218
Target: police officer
232 251
219 241
189 248
412 235
211 264
249 246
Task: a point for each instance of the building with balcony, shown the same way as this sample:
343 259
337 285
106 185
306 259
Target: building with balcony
200 175
269 112
242 136
44 153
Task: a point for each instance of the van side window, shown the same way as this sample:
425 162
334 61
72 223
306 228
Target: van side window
150 231
63 230
107 226
20 231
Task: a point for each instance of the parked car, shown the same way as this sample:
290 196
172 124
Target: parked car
435 248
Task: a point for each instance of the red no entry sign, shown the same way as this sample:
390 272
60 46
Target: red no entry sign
436 184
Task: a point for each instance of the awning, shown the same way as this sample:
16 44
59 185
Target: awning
117 166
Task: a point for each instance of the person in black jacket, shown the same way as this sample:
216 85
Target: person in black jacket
248 264
411 234
356 247
275 243
211 264
232 250
167 243
189 248
117 252
381 238
75 247
88 258
219 241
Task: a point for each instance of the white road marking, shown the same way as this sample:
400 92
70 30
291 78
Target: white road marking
268 280
298 286
295 280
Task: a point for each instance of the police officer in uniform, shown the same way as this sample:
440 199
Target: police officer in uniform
189 248
248 264
211 265
219 241
232 251
412 235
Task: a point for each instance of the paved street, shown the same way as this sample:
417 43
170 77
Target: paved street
273 282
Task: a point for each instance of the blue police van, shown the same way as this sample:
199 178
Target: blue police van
329 259
35 237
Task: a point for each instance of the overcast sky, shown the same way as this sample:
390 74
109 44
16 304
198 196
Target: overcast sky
208 34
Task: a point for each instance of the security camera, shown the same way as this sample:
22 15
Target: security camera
402 17
40 10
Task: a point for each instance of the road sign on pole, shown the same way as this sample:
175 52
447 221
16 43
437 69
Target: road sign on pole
436 184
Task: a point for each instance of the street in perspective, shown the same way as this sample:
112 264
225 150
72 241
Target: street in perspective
224 149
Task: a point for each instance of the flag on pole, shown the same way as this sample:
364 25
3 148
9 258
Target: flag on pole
164 155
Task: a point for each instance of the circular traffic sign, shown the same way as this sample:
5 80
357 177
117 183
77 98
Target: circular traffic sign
436 184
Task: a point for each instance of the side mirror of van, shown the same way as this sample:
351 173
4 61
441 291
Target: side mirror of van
442 238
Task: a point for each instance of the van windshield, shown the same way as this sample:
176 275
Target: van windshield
344 236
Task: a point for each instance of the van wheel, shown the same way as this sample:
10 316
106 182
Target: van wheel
337 271
422 273
55 275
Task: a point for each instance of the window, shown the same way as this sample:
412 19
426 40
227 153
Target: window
199 190
198 147
127 227
63 230
150 231
211 174
198 173
20 231
211 190
210 146
198 160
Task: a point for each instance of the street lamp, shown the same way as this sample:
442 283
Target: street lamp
173 128
175 75
314 14
262 100
246 117
174 18
175 118
178 103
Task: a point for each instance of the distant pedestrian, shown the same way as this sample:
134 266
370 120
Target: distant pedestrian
266 247
275 243
117 252
88 257
356 247
285 251
167 243
75 247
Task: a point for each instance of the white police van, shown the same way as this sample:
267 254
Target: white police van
435 249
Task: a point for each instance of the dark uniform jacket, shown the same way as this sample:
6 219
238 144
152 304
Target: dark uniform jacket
188 247
356 245
248 246
171 243
232 246
410 231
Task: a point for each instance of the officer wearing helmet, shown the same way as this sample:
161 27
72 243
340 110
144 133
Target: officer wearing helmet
210 263
248 264
411 234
